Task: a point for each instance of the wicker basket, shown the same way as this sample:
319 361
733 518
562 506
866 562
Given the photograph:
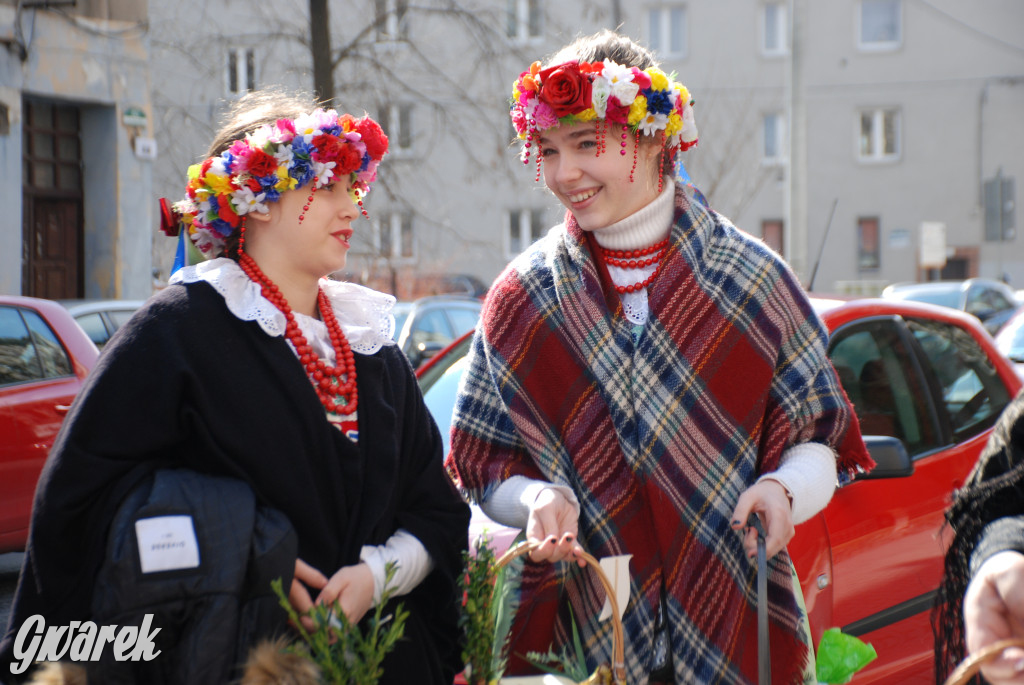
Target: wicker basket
970 666
605 674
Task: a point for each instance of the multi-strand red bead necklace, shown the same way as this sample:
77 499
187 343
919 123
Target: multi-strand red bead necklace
334 385
636 259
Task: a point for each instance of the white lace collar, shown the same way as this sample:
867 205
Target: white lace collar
364 314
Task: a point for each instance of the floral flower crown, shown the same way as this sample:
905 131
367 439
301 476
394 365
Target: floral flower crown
285 155
643 101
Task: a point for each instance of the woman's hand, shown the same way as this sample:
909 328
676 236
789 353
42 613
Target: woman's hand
353 587
298 595
553 522
769 500
993 611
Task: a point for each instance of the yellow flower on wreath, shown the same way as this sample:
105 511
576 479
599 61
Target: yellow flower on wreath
675 124
637 110
286 182
586 115
659 81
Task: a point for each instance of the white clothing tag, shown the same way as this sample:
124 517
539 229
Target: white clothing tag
617 570
167 543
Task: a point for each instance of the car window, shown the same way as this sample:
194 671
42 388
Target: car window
998 301
432 326
94 327
18 359
945 298
463 319
120 317
877 369
52 356
972 391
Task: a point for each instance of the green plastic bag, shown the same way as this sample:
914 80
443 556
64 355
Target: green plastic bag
840 656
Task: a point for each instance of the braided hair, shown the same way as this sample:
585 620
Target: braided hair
995 488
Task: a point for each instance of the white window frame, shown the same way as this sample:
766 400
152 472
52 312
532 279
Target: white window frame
662 43
527 217
399 127
395 28
519 11
392 224
780 23
244 70
780 133
884 45
877 154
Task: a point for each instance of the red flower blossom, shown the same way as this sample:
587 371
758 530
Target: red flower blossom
349 160
373 137
327 148
225 212
565 89
262 164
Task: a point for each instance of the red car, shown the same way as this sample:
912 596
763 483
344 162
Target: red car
44 358
928 384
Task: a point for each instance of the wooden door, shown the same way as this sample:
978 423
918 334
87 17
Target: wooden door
52 224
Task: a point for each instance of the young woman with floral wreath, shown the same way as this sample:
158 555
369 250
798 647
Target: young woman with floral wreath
254 365
644 378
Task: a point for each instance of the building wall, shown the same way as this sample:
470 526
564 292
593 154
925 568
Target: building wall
100 64
956 79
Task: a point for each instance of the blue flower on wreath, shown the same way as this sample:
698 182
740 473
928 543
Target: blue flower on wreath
658 101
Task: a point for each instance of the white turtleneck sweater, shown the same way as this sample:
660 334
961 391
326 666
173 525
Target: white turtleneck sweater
807 471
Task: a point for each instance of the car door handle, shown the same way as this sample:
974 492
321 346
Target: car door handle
62 408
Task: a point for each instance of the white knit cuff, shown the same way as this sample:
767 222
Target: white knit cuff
509 504
412 563
808 472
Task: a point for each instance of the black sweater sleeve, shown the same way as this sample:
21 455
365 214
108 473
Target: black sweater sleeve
1003 534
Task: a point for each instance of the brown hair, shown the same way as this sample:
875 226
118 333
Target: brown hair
264 106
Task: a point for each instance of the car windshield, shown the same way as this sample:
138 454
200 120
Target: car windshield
946 297
401 312
1010 340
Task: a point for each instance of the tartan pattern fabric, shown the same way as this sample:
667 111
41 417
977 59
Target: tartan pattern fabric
658 438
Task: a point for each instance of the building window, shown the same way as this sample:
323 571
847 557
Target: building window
879 135
667 31
525 20
775 29
771 234
391 20
396 120
773 133
241 71
881 24
396 238
867 243
525 227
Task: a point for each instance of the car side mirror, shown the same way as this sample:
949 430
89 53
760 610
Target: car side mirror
891 458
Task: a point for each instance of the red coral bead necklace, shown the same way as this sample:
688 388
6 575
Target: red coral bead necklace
635 259
334 385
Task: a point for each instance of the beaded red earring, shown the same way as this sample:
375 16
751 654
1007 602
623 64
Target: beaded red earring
309 200
622 144
636 147
241 237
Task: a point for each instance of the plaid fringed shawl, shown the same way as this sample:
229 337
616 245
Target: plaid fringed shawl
657 439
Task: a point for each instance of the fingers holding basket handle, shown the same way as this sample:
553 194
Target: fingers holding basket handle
553 525
973 664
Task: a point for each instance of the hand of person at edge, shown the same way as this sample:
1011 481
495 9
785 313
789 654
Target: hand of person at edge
553 522
993 611
352 587
769 500
298 596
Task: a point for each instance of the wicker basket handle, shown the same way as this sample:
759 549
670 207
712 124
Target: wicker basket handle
970 666
618 644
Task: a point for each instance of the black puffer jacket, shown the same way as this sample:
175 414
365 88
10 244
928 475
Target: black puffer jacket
210 614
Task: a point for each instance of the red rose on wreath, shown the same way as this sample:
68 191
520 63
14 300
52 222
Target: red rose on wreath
373 137
327 148
565 89
262 164
348 161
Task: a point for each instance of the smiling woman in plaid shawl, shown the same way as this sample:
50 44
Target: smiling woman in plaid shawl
643 378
